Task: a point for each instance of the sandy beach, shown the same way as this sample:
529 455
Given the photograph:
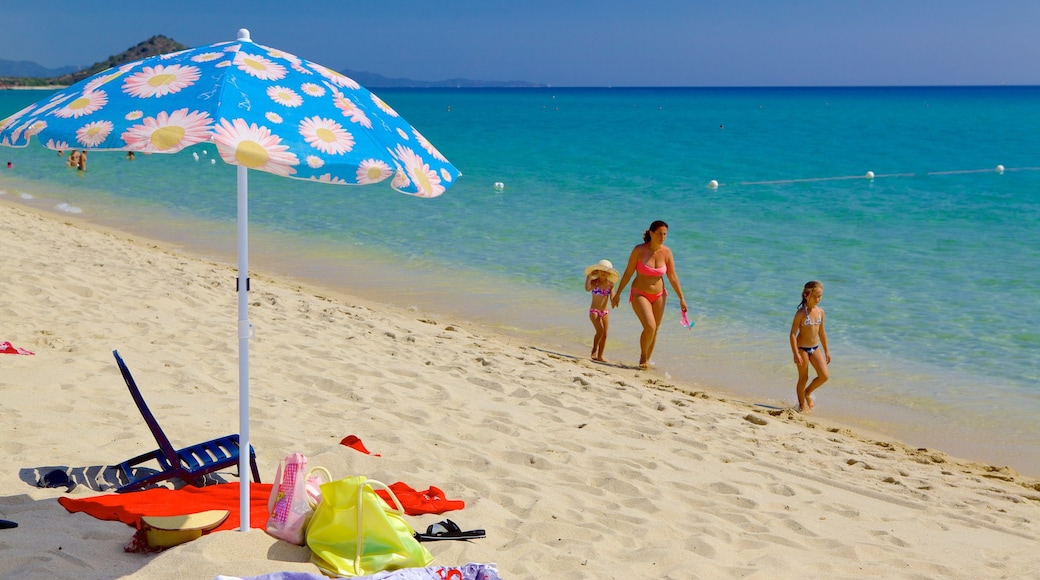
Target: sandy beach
575 469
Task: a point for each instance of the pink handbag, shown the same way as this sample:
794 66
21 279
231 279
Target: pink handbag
294 495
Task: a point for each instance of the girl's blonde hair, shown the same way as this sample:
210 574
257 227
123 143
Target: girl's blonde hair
807 290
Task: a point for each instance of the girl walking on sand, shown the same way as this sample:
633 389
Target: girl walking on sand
599 280
807 337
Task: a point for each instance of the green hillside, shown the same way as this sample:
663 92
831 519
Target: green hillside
155 45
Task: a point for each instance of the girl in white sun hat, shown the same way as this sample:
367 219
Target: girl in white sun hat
600 279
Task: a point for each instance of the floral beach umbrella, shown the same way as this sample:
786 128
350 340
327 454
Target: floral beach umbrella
263 109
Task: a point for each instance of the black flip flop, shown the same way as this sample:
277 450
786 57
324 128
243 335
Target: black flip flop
7 524
447 530
57 478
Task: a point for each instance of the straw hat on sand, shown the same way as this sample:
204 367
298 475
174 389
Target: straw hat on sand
606 267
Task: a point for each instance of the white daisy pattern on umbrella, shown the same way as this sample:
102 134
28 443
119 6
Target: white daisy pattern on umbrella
273 117
94 134
292 58
284 96
100 81
160 80
207 57
313 89
326 135
383 106
428 146
35 127
255 147
337 79
315 162
329 178
400 182
168 132
350 110
426 181
373 171
259 67
85 104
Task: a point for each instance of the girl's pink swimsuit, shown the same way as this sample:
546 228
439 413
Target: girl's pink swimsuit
600 292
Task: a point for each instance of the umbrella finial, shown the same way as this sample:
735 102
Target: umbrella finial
243 34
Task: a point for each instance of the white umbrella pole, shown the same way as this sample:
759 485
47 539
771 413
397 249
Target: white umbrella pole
245 330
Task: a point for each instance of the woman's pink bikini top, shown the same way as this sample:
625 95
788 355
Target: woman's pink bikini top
648 271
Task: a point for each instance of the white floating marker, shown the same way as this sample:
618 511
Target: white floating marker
713 184
195 155
869 175
499 186
212 161
1000 169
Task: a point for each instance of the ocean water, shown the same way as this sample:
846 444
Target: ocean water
932 291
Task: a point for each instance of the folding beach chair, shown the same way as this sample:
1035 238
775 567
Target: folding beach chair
189 464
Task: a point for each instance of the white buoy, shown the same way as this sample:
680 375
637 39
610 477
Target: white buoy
499 186
195 155
713 184
212 161
869 175
1000 169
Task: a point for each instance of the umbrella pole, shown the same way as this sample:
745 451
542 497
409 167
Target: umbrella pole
245 330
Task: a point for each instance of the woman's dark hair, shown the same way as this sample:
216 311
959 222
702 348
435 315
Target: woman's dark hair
653 228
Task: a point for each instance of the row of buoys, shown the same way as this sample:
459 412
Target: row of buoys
869 175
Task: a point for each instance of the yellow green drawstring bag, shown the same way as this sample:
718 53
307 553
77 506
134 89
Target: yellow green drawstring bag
354 533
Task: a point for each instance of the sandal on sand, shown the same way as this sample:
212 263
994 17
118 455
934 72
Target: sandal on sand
57 478
447 530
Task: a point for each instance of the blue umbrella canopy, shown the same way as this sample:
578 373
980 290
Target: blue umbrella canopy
264 109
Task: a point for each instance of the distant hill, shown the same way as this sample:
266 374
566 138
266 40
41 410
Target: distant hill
24 68
31 74
154 46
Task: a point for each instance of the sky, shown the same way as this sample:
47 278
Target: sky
574 43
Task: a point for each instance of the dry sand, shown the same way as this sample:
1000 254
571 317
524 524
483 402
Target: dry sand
575 469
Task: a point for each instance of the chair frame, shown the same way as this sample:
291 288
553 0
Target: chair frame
189 464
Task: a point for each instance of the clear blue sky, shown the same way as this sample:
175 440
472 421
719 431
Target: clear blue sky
574 42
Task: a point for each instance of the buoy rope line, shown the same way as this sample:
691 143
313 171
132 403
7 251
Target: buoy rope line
870 175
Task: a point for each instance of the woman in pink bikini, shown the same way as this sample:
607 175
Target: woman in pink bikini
599 280
650 261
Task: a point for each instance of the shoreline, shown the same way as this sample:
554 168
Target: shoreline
517 338
573 467
949 424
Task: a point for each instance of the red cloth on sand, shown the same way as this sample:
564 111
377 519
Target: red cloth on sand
8 348
160 501
414 502
355 443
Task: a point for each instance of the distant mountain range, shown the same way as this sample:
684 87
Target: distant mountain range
31 74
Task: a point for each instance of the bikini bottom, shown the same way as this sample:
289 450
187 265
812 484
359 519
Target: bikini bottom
650 297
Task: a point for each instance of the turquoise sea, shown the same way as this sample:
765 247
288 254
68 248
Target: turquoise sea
932 290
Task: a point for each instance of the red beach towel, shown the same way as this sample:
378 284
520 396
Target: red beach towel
129 507
8 348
